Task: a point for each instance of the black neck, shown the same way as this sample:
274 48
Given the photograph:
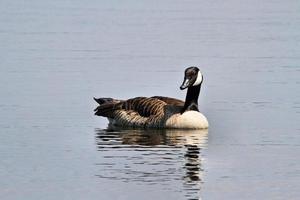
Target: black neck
191 99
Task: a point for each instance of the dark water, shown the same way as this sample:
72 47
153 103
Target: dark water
56 55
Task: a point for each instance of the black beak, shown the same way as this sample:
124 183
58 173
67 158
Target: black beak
185 84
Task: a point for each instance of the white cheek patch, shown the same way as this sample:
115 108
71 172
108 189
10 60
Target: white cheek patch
199 79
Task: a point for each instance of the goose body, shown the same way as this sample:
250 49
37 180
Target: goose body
158 111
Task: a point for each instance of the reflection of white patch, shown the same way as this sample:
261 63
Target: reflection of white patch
199 79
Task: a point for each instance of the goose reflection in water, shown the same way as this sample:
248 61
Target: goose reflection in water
163 157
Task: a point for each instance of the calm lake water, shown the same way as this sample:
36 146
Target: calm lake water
56 55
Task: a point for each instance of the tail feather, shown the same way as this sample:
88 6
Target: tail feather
107 106
103 100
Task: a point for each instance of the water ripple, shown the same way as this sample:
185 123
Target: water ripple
153 157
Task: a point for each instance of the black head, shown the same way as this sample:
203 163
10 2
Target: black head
192 77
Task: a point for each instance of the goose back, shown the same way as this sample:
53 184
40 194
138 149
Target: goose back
138 112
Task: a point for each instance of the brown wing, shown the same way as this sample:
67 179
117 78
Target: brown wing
144 106
170 101
136 112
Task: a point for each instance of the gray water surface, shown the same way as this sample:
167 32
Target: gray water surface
56 55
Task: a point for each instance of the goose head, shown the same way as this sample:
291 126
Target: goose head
192 77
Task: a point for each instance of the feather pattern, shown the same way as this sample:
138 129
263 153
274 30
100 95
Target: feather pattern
169 100
135 112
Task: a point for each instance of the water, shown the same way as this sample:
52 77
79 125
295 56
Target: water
56 55
169 160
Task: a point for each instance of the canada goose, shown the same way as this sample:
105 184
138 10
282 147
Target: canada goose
158 111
